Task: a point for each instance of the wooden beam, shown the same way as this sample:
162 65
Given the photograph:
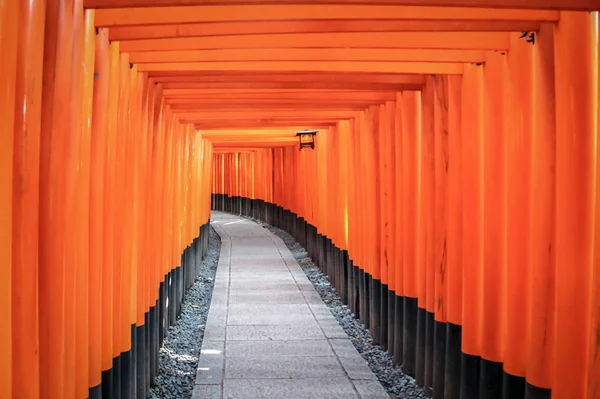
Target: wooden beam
268 114
183 95
320 66
575 5
246 148
261 123
283 94
194 79
249 132
252 123
311 86
200 88
120 33
180 104
290 128
244 139
294 12
304 54
242 107
381 40
227 148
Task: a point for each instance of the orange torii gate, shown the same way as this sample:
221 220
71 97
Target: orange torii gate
455 171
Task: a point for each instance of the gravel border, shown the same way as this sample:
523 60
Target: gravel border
178 358
397 384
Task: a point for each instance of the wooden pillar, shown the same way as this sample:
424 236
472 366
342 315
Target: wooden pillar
9 40
518 128
426 276
472 227
439 303
56 140
110 280
25 314
97 257
82 256
411 204
594 345
454 243
575 172
494 226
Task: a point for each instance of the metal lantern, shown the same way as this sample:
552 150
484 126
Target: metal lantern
307 138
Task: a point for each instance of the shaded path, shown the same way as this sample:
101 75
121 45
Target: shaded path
268 333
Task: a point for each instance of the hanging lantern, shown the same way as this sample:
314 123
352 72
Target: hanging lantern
307 138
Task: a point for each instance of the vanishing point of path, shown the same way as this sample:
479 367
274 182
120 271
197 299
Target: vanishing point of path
268 333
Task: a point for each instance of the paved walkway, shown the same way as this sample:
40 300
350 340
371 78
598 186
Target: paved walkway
268 333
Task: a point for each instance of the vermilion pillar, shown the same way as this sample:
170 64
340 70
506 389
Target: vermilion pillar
576 93
9 17
25 278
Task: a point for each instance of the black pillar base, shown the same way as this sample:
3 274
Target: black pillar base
95 392
439 358
490 379
399 329
469 376
117 374
391 323
512 386
421 343
533 392
409 355
429 340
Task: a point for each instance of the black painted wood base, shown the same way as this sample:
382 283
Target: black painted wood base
134 372
95 392
426 349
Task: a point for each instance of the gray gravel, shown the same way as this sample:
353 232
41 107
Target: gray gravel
398 384
181 347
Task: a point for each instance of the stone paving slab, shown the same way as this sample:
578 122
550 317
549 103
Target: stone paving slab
268 333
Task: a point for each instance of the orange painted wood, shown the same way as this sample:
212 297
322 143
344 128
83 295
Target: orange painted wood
594 342
472 195
56 118
110 276
411 150
71 298
518 125
399 194
307 85
281 12
98 188
303 54
454 207
427 199
9 40
441 131
396 40
194 79
191 94
220 28
86 41
542 218
575 168
122 276
25 207
344 165
313 66
386 151
583 5
363 208
493 283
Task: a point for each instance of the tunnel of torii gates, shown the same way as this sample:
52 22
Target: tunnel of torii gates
452 195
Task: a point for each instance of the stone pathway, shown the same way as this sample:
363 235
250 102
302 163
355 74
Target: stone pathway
268 333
